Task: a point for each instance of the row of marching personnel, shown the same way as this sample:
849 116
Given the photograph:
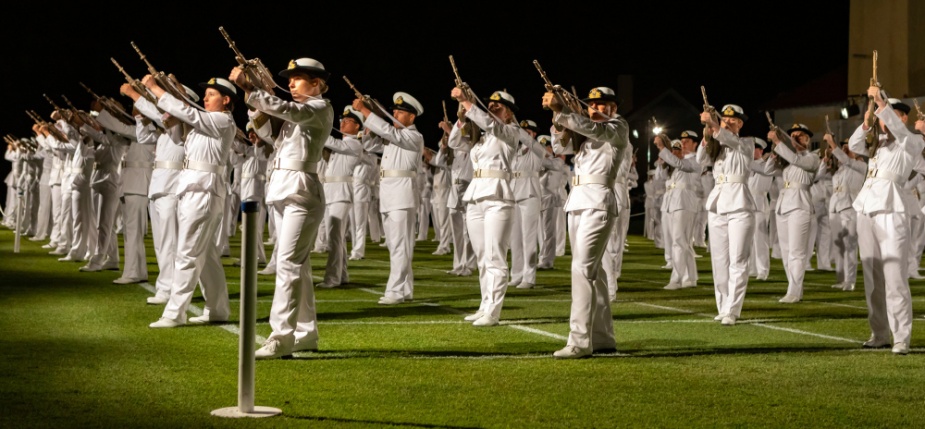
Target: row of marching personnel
178 161
850 200
169 162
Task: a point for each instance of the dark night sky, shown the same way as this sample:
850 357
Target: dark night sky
742 57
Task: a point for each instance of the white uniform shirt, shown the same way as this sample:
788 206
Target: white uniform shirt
889 168
401 150
208 143
730 174
305 128
338 176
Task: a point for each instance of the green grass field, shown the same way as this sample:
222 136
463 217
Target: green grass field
76 351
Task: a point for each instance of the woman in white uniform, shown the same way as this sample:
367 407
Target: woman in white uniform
297 196
730 208
592 213
489 198
794 210
846 183
201 193
883 229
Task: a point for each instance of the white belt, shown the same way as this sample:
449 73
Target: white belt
130 164
676 185
203 166
295 165
729 178
254 176
338 179
398 173
888 175
518 174
170 165
73 170
788 185
491 174
587 179
619 181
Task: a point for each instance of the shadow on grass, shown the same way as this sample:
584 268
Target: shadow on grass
375 422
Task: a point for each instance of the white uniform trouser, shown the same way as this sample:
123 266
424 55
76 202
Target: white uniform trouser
730 243
164 232
684 266
442 226
700 228
612 249
759 263
666 236
135 221
261 225
623 226
293 314
882 241
561 231
44 219
823 236
81 222
917 220
657 237
590 319
67 220
338 214
399 237
199 218
547 255
360 222
795 242
106 249
321 240
523 240
423 219
374 220
463 255
56 215
490 223
772 231
275 215
845 232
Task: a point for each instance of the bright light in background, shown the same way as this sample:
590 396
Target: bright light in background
657 130
635 134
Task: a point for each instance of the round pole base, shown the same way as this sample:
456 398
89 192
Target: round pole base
235 412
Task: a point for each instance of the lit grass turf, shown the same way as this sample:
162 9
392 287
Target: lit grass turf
76 352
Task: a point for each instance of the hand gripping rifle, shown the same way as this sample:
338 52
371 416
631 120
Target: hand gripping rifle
113 107
84 116
167 81
256 73
136 84
826 152
713 146
370 102
469 129
51 128
918 109
566 99
70 114
781 135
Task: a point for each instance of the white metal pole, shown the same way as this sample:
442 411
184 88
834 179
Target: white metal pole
248 322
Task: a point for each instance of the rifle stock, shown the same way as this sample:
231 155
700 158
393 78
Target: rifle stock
370 103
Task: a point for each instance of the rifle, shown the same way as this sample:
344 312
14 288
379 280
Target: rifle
469 129
781 135
168 82
112 107
713 146
566 99
86 118
370 102
447 120
256 73
136 84
56 107
918 109
51 128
